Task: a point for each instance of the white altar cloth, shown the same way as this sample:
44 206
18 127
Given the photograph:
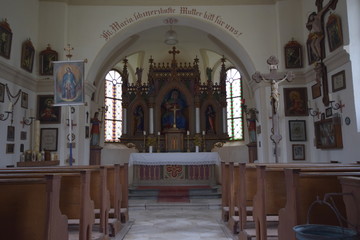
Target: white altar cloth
156 159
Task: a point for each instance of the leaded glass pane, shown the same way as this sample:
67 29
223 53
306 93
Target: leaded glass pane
236 88
118 110
237 111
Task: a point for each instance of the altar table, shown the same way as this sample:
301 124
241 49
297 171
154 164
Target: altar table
152 169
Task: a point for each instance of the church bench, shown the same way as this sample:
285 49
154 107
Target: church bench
352 202
270 195
29 209
303 187
225 191
124 208
75 201
233 197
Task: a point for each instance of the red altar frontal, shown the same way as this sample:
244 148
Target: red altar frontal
156 169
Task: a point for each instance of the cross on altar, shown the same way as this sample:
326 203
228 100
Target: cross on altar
174 110
174 52
275 78
68 49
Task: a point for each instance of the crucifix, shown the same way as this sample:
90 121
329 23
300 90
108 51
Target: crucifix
174 110
315 25
68 49
174 52
274 78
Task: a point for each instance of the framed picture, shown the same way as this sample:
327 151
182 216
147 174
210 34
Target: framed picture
47 57
316 90
298 151
10 148
328 112
310 52
2 92
23 135
297 130
48 139
69 82
87 132
24 100
338 81
47 113
293 55
5 39
296 102
334 32
27 55
10 133
328 133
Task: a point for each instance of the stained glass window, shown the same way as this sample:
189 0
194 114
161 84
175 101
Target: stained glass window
235 123
113 101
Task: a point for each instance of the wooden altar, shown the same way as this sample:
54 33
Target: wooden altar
172 108
155 169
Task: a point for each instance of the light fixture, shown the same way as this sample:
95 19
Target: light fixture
171 37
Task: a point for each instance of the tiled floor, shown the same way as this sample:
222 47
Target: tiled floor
197 220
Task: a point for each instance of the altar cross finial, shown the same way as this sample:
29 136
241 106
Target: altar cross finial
174 52
68 49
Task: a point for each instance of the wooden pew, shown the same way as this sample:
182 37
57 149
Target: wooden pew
124 182
234 178
225 191
352 202
75 201
29 209
302 189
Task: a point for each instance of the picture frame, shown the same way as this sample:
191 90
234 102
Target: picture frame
47 113
334 32
49 139
46 58
27 55
296 101
297 130
2 92
24 100
338 81
87 131
5 39
23 135
298 152
10 148
328 133
328 112
316 90
10 133
293 55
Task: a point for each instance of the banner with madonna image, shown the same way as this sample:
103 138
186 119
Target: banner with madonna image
69 83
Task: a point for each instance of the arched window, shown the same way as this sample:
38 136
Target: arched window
113 101
235 123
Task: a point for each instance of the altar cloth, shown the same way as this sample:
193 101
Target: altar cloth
156 159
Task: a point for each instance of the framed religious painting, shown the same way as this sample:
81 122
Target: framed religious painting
293 55
338 81
316 90
334 32
27 55
10 133
328 133
296 101
297 130
24 100
46 111
5 39
47 57
2 92
298 152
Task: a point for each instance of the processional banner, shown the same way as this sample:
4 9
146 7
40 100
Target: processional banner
69 83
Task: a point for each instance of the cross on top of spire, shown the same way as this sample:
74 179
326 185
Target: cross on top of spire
174 52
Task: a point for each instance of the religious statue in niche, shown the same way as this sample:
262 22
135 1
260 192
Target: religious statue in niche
95 130
210 119
139 119
173 106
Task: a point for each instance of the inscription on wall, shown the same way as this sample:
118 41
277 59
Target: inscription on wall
117 26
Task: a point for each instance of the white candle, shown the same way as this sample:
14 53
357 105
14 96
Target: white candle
144 133
187 133
330 97
203 132
10 109
36 135
159 133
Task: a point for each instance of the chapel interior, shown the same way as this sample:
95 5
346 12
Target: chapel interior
181 94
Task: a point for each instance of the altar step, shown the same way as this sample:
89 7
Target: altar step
194 192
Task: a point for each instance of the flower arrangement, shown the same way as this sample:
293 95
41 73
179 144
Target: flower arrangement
151 141
197 140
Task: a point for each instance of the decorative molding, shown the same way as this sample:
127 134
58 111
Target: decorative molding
17 76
